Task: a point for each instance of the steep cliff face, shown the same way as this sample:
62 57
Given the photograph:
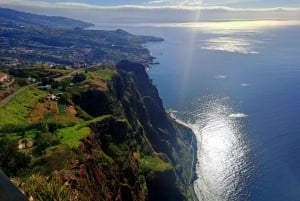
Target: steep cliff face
141 144
129 149
108 169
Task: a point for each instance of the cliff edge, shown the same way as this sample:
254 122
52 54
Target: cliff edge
120 146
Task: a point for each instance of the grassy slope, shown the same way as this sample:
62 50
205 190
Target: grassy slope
105 75
71 136
155 164
16 111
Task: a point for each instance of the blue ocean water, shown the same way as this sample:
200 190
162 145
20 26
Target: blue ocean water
238 85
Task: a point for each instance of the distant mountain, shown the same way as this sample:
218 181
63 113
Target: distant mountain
22 18
28 39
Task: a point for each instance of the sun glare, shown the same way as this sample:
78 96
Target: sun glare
222 153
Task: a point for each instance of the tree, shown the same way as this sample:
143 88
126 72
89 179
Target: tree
79 77
12 162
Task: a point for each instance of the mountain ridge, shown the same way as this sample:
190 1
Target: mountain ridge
24 18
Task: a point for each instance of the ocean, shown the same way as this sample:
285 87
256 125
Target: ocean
237 84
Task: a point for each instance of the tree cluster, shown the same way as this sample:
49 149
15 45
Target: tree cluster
12 162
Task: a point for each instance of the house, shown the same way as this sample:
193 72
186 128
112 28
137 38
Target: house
3 77
52 97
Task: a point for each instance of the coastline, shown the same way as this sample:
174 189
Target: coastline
148 65
194 147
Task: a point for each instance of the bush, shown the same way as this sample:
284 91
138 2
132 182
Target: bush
23 81
43 141
43 188
79 77
12 162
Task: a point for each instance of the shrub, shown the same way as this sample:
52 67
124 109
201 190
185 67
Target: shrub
43 141
79 77
43 189
12 162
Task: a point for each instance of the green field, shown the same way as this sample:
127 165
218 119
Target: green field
104 75
16 111
154 164
71 136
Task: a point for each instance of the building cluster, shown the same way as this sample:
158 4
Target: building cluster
54 97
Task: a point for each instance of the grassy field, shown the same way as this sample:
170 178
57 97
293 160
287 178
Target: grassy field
16 111
154 164
71 136
54 70
103 75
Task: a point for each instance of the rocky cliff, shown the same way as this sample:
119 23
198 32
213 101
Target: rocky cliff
130 149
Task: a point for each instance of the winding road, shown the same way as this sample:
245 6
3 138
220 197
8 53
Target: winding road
8 98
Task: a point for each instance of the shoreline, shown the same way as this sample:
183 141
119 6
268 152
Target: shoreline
194 147
193 142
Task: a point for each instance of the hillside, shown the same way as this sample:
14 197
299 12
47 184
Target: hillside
22 18
26 42
108 137
81 125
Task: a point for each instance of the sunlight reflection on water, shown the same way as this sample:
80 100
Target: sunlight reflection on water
223 167
231 44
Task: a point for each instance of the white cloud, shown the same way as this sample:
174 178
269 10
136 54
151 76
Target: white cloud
155 2
177 2
171 12
224 2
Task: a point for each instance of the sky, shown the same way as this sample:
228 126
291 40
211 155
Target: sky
160 11
231 3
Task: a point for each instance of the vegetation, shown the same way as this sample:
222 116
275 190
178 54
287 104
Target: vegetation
81 139
15 112
155 164
79 77
12 162
102 74
66 46
103 132
44 188
43 141
10 16
72 135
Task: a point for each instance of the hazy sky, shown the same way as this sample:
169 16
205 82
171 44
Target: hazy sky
160 11
231 3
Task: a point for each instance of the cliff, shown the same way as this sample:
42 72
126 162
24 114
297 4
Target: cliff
124 148
150 154
101 134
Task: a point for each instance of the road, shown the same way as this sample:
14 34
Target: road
8 98
58 79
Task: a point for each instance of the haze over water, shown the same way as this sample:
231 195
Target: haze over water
238 85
